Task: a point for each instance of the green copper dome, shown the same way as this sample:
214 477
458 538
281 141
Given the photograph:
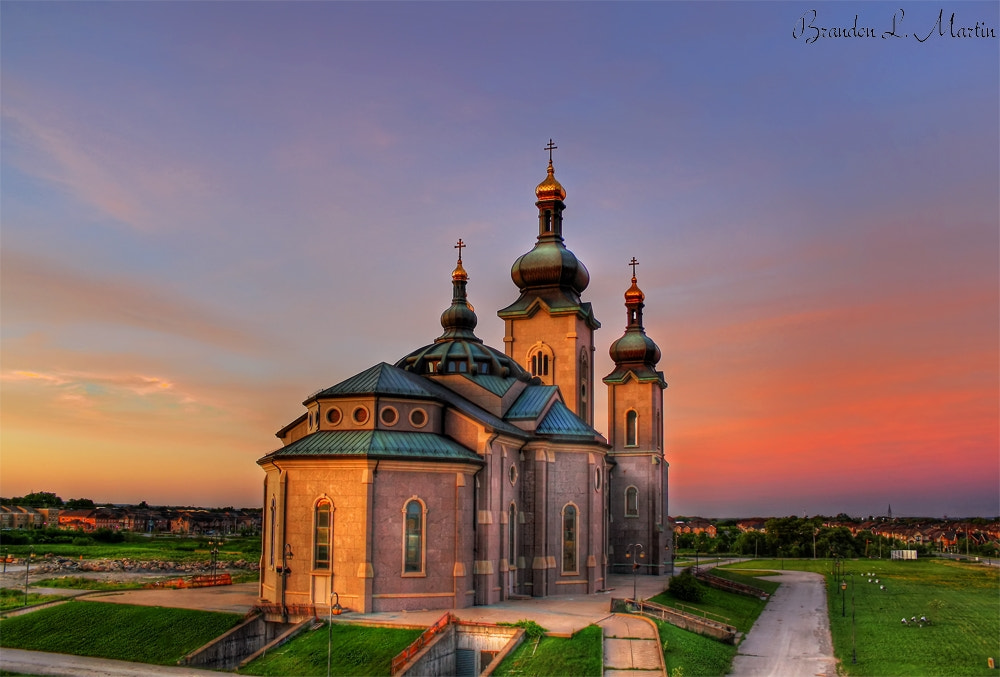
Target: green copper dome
458 350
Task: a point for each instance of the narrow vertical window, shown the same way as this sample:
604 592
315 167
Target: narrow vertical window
512 536
545 365
413 537
321 536
569 540
272 520
631 428
631 502
534 364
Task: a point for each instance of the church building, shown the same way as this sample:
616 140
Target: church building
463 475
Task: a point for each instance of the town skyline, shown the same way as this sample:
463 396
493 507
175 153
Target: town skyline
211 211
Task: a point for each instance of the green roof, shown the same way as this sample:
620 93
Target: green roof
382 379
531 403
377 444
561 421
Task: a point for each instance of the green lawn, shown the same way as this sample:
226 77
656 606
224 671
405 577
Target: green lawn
136 547
740 611
694 655
12 598
961 600
357 650
581 655
131 633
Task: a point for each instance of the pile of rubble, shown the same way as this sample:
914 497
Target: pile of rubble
52 564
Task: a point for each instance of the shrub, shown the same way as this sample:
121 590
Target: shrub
686 587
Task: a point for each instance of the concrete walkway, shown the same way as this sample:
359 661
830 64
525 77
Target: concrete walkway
791 638
631 647
39 663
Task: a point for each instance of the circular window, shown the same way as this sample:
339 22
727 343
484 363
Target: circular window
389 415
418 418
360 415
597 479
512 474
333 416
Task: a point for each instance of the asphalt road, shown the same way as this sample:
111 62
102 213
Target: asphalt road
791 638
63 665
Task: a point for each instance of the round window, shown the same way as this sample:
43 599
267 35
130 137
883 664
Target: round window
418 418
333 416
360 415
512 474
389 416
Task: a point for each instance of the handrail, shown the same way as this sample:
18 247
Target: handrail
420 642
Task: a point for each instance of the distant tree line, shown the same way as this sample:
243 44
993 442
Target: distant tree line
808 537
47 499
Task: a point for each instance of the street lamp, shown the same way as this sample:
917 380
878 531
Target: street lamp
283 571
215 557
335 610
843 598
854 646
27 567
630 553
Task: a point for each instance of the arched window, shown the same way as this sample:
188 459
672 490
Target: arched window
273 513
631 502
540 359
413 537
512 536
321 535
569 550
631 428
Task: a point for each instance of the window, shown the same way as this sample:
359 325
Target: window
334 416
597 479
321 535
272 528
569 539
512 536
512 475
389 415
418 418
360 415
631 502
631 428
413 537
540 357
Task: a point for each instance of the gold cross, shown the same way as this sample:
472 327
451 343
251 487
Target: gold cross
550 148
459 248
633 263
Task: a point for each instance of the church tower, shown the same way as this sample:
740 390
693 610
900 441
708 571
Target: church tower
548 330
638 494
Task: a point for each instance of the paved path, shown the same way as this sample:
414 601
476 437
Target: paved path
791 638
63 665
631 647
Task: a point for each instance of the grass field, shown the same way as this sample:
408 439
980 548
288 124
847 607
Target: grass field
961 600
737 610
12 598
581 655
694 655
130 633
138 547
358 650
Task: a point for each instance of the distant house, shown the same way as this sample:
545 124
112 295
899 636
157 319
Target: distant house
85 520
19 517
755 524
695 525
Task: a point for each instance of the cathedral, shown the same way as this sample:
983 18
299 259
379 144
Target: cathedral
463 475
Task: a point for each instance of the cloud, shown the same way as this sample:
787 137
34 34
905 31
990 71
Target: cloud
39 292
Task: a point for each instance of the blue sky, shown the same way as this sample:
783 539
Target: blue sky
211 210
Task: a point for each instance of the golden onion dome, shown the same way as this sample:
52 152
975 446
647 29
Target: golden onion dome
634 294
550 189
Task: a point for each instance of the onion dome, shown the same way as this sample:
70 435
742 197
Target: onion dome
635 348
549 263
458 350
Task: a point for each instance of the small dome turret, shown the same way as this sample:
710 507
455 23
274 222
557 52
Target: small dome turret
635 348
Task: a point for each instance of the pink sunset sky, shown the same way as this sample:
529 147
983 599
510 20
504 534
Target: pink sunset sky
212 210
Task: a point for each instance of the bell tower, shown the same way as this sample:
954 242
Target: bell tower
638 493
549 330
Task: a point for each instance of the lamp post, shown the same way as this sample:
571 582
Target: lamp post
286 554
630 553
843 598
27 567
215 556
335 609
854 646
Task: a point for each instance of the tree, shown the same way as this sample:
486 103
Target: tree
79 504
38 499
